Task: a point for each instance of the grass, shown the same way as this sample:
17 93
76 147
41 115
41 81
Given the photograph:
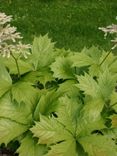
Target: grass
72 23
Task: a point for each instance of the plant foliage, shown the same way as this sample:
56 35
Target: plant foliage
63 104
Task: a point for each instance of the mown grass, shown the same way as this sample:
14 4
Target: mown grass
72 23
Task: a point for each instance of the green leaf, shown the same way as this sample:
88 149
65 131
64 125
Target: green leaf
66 148
68 88
5 80
108 63
103 87
113 65
111 133
45 76
93 52
9 130
113 97
48 102
81 59
113 100
24 92
88 57
29 147
106 83
31 77
49 131
95 70
63 52
42 76
67 113
88 85
98 145
24 67
19 112
114 120
62 68
42 52
89 118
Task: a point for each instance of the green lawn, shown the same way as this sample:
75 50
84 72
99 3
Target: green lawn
72 23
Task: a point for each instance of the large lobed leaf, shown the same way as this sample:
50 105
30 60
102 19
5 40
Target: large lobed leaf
42 52
88 85
5 80
81 59
67 113
66 148
19 112
96 145
25 92
48 103
10 129
29 147
62 68
90 118
49 131
11 65
103 87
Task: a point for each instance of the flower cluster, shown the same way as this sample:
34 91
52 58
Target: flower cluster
10 39
112 29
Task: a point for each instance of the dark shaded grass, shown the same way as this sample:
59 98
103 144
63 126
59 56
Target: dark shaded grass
72 23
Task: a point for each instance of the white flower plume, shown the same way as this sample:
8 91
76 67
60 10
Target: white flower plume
111 29
10 38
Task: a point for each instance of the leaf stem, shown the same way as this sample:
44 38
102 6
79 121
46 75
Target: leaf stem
16 61
105 58
114 104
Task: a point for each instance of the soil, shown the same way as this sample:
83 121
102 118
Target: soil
7 152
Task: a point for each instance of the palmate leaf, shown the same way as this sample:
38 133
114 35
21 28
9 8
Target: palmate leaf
42 52
41 76
111 133
81 59
31 77
103 88
63 52
19 112
98 145
88 85
29 147
49 131
68 88
5 80
24 92
62 68
90 118
109 62
67 112
95 70
113 65
48 103
11 65
93 52
9 130
45 76
88 57
66 148
106 83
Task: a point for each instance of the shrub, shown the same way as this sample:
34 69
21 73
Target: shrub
58 102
